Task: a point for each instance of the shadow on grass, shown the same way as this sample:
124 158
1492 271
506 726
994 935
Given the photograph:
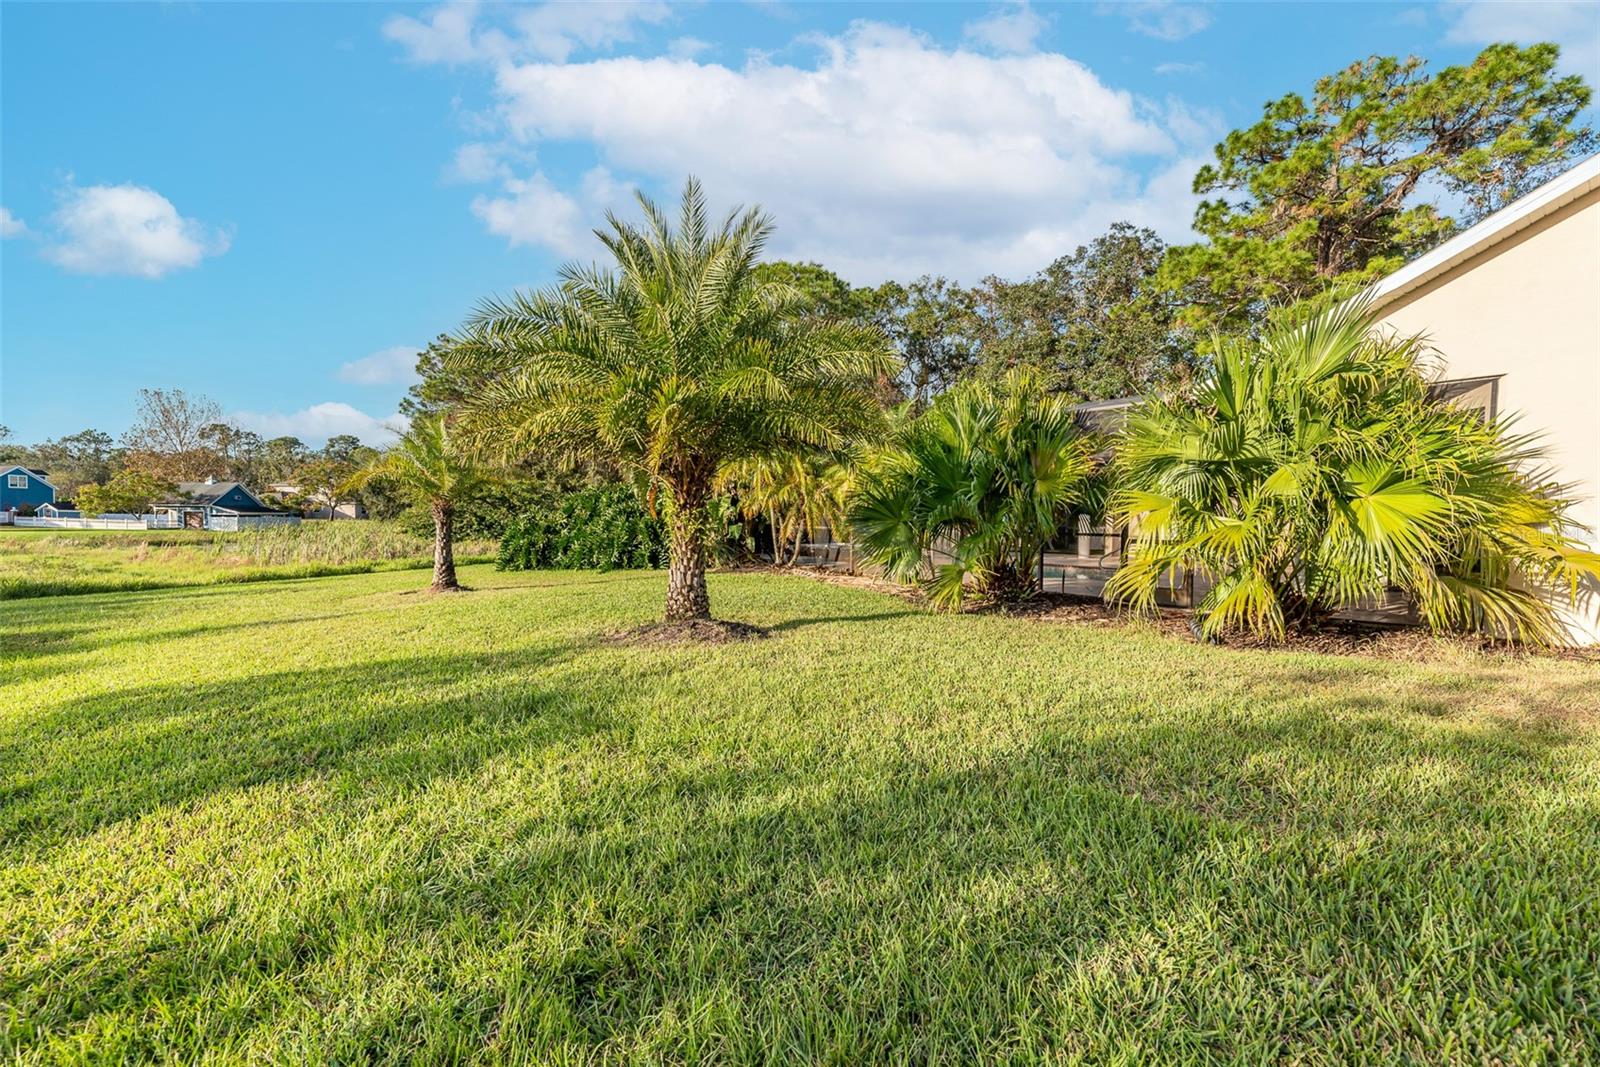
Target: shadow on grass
1325 870
393 723
821 620
899 910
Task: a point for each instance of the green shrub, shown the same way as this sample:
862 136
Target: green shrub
603 527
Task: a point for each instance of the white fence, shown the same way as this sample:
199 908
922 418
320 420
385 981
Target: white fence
231 523
135 522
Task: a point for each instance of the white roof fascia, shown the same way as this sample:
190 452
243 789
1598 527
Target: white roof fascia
1505 223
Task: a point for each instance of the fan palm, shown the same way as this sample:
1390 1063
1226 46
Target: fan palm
676 362
1310 470
431 465
985 477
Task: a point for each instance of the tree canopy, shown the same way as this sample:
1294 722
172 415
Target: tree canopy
1344 188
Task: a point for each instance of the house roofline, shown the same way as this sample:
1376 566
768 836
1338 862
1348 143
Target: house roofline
30 472
1504 224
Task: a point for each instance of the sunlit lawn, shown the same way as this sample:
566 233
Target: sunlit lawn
338 820
48 562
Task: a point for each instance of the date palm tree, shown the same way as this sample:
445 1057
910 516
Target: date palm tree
1311 470
675 362
983 479
431 464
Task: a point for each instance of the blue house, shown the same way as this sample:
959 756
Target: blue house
24 489
214 505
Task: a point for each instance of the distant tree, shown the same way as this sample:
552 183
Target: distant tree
1342 189
238 448
322 481
193 465
1091 322
171 421
76 459
129 491
279 458
342 447
443 386
932 325
824 292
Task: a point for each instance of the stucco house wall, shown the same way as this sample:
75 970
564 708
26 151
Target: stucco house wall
1521 304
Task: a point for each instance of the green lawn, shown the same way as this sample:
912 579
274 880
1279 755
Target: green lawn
338 820
45 562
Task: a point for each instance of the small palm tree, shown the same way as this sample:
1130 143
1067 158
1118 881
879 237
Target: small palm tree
796 492
676 363
430 464
1310 470
985 477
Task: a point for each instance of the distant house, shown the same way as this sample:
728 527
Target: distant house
213 505
317 504
25 490
54 511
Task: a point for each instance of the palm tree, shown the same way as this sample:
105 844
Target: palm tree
986 477
1310 470
676 362
796 492
431 465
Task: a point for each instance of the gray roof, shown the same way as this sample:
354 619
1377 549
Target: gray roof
1105 416
208 493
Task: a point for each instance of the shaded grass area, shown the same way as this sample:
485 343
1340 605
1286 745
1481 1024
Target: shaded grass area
342 821
42 562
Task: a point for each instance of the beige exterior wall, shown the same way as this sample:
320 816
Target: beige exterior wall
1528 308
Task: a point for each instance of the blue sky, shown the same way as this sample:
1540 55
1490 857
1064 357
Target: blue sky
275 205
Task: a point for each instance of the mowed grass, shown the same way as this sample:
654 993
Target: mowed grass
339 820
46 562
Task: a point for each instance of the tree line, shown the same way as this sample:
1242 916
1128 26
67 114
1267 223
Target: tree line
181 437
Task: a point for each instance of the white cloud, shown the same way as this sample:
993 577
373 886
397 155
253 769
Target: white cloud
891 157
1574 25
128 229
554 31
532 212
444 35
317 423
10 225
451 33
1179 68
477 162
1165 20
388 366
1015 29
687 47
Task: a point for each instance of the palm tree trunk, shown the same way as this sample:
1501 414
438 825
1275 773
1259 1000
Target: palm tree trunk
799 532
686 569
444 559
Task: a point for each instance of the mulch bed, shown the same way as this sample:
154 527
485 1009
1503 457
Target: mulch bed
1338 638
691 631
